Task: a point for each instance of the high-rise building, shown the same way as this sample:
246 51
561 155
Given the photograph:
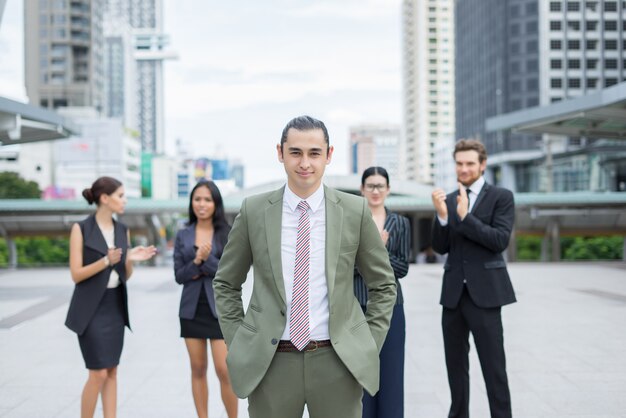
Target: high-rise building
143 78
517 54
375 145
428 61
63 53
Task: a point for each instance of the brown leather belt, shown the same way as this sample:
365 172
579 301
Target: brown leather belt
287 347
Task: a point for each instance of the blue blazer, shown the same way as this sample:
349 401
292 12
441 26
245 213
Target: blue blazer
185 270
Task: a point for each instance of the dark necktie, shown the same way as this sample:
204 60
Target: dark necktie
468 191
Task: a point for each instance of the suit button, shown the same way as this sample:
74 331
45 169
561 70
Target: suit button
274 341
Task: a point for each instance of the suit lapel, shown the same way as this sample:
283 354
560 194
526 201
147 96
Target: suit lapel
481 196
273 229
93 236
334 223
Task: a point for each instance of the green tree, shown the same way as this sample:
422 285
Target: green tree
12 186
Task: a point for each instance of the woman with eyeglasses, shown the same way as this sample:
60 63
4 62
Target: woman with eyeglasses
197 252
396 234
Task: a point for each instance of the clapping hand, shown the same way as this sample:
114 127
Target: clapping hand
462 202
439 201
203 252
141 253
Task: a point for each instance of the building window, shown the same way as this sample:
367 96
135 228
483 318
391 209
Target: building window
532 84
573 64
610 44
591 43
514 10
573 6
555 45
592 5
532 101
573 25
514 48
556 83
610 64
573 83
555 99
592 64
610 25
514 29
592 83
515 67
531 46
532 66
555 6
556 64
591 25
531 27
610 82
555 25
516 86
573 44
610 6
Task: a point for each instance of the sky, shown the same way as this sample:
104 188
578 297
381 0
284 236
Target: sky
244 69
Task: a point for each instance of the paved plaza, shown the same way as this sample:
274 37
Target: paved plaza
565 341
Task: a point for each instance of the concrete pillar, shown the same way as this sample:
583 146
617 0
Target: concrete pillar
12 252
555 238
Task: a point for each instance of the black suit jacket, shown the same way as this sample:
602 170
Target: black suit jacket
88 293
475 247
185 269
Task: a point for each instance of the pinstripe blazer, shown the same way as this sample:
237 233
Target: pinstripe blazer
399 248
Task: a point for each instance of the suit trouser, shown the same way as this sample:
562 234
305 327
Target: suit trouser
389 400
316 378
486 327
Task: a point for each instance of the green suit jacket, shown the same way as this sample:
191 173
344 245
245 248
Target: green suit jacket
351 238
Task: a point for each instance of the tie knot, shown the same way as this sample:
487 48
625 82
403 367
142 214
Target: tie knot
303 206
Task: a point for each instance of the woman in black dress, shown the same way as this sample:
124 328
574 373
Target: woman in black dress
100 263
197 252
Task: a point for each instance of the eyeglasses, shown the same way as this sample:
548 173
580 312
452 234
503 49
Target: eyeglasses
372 187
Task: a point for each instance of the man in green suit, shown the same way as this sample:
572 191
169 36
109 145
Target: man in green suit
304 339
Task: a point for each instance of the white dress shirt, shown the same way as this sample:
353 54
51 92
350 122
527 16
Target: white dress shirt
109 238
472 194
318 289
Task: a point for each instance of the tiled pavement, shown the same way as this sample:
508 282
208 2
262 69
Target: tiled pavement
565 341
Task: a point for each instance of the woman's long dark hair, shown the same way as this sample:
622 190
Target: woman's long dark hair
220 224
372 171
103 185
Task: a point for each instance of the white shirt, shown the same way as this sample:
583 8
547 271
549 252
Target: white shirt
472 194
109 238
318 289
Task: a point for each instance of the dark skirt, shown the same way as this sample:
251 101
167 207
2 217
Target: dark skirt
102 341
204 324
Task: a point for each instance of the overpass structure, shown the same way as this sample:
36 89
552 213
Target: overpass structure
550 215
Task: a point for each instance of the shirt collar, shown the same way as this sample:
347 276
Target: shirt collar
477 186
314 201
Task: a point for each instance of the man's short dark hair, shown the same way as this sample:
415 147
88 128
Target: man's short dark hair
471 145
305 123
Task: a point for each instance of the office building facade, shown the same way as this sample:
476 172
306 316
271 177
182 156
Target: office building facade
519 54
428 74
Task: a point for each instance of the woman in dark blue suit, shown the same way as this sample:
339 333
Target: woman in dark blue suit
197 252
396 234
101 261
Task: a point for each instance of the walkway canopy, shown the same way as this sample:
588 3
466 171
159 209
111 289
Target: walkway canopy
597 115
21 123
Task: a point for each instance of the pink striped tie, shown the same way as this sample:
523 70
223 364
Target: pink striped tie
299 316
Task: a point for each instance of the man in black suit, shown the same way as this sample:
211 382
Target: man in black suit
473 225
